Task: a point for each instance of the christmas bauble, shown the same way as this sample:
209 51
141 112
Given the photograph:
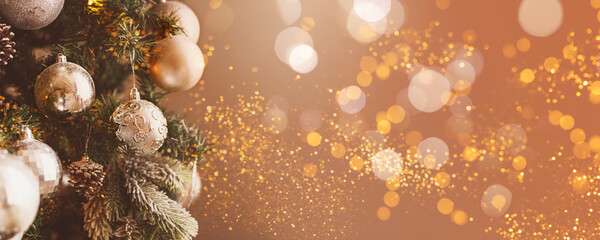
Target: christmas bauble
64 90
141 125
177 64
186 18
19 197
42 160
193 190
30 14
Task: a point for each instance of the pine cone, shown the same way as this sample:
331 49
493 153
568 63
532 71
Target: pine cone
128 229
87 177
6 44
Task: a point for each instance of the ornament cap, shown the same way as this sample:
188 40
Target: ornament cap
134 94
26 133
60 58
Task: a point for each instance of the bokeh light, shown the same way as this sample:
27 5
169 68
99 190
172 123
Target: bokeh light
386 164
511 138
496 200
303 58
372 10
289 38
433 153
429 91
289 10
540 18
351 99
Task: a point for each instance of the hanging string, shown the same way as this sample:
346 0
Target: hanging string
87 140
132 64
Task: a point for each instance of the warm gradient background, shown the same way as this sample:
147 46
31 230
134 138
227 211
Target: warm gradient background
241 35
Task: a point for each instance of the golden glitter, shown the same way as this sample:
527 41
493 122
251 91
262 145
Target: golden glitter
577 135
459 217
523 44
527 75
391 199
445 206
567 122
338 150
364 79
395 114
313 139
368 64
519 163
442 179
383 213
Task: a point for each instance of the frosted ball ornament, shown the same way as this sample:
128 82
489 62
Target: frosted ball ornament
192 190
186 18
30 14
177 64
64 90
42 160
19 197
141 124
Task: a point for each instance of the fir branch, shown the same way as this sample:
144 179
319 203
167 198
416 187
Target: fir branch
154 206
35 230
128 229
103 141
96 222
185 143
159 210
13 117
115 202
166 173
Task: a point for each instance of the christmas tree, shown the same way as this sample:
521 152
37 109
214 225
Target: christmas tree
127 172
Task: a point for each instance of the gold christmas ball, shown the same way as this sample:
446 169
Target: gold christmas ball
186 18
30 14
141 125
64 90
177 64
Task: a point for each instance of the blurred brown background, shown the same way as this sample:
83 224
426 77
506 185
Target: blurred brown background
248 30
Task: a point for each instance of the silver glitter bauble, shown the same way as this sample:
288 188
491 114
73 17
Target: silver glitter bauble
42 160
30 14
193 190
64 90
141 124
177 64
186 18
19 197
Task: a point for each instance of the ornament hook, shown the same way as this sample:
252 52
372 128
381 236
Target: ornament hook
26 133
61 58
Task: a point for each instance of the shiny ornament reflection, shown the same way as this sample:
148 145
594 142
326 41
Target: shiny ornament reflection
64 90
42 160
177 64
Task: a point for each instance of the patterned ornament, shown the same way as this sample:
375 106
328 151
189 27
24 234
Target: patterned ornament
42 160
19 197
87 177
177 64
141 124
30 14
64 90
7 50
186 18
186 199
